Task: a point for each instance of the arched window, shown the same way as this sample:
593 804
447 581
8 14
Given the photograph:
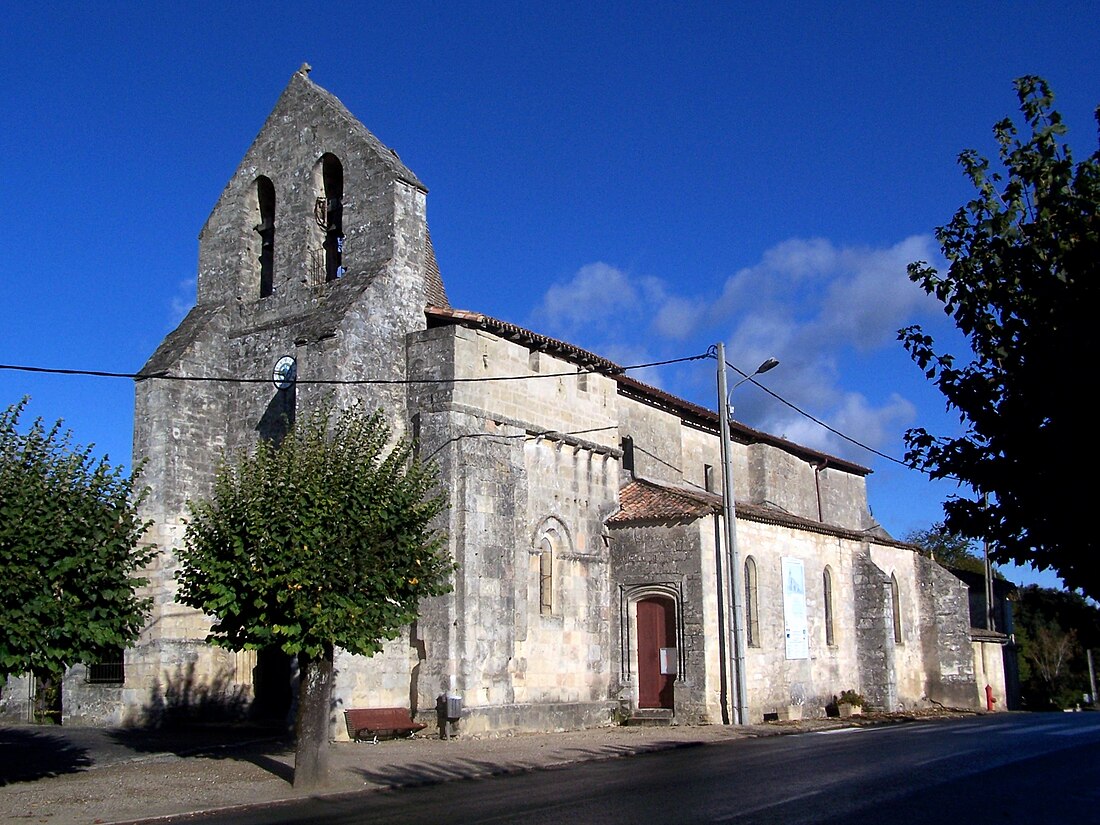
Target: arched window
549 543
546 578
329 214
752 604
265 203
827 590
895 600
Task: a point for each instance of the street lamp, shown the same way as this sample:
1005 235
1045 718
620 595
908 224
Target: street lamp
730 516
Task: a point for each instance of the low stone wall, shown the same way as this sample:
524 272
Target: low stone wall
530 718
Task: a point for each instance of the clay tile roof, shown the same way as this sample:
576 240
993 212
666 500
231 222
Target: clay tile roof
642 500
435 294
438 315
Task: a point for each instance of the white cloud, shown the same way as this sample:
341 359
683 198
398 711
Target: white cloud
678 318
596 292
873 295
815 306
855 417
603 309
800 258
812 306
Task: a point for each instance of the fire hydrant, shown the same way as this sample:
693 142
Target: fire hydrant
989 700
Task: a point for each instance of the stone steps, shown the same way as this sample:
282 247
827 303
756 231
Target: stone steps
654 717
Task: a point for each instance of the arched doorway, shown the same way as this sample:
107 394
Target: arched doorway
657 656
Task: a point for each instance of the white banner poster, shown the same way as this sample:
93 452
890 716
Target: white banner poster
794 609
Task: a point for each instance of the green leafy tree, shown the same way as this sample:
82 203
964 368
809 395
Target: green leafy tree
948 548
1054 628
69 534
1022 287
323 540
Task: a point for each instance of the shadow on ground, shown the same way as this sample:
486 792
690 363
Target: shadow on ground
208 718
254 743
27 755
425 773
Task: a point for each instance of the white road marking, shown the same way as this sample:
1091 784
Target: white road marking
954 755
1076 731
775 802
964 729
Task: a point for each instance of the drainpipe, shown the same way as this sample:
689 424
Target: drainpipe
724 661
817 488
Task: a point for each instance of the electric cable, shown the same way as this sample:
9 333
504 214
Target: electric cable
165 376
813 418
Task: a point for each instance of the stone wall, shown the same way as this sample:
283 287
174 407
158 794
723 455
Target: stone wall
874 634
666 560
781 480
774 681
944 627
532 469
670 450
932 659
842 499
17 699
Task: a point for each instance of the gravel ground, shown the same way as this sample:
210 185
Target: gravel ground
92 775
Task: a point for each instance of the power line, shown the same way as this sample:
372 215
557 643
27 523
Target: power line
814 419
166 376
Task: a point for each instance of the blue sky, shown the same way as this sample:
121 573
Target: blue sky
640 179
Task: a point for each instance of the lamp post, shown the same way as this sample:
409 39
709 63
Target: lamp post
730 516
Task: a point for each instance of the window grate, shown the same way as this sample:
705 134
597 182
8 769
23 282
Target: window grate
107 673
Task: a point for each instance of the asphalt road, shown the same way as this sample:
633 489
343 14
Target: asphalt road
1038 768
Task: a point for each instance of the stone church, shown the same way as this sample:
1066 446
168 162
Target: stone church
585 513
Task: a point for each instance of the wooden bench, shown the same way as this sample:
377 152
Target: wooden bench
373 722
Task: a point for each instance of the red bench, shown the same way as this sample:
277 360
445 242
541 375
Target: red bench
373 722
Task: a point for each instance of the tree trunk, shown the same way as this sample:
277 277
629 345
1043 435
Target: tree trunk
312 746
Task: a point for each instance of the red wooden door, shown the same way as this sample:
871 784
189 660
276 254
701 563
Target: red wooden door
656 629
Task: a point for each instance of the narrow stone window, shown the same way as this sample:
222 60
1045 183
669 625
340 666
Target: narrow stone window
827 588
627 446
582 380
895 600
265 202
329 214
546 578
708 478
549 543
752 606
533 361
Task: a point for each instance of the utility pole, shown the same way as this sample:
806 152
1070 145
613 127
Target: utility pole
990 623
1092 677
729 512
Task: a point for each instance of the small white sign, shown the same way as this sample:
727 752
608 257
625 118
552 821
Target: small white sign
794 609
669 661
